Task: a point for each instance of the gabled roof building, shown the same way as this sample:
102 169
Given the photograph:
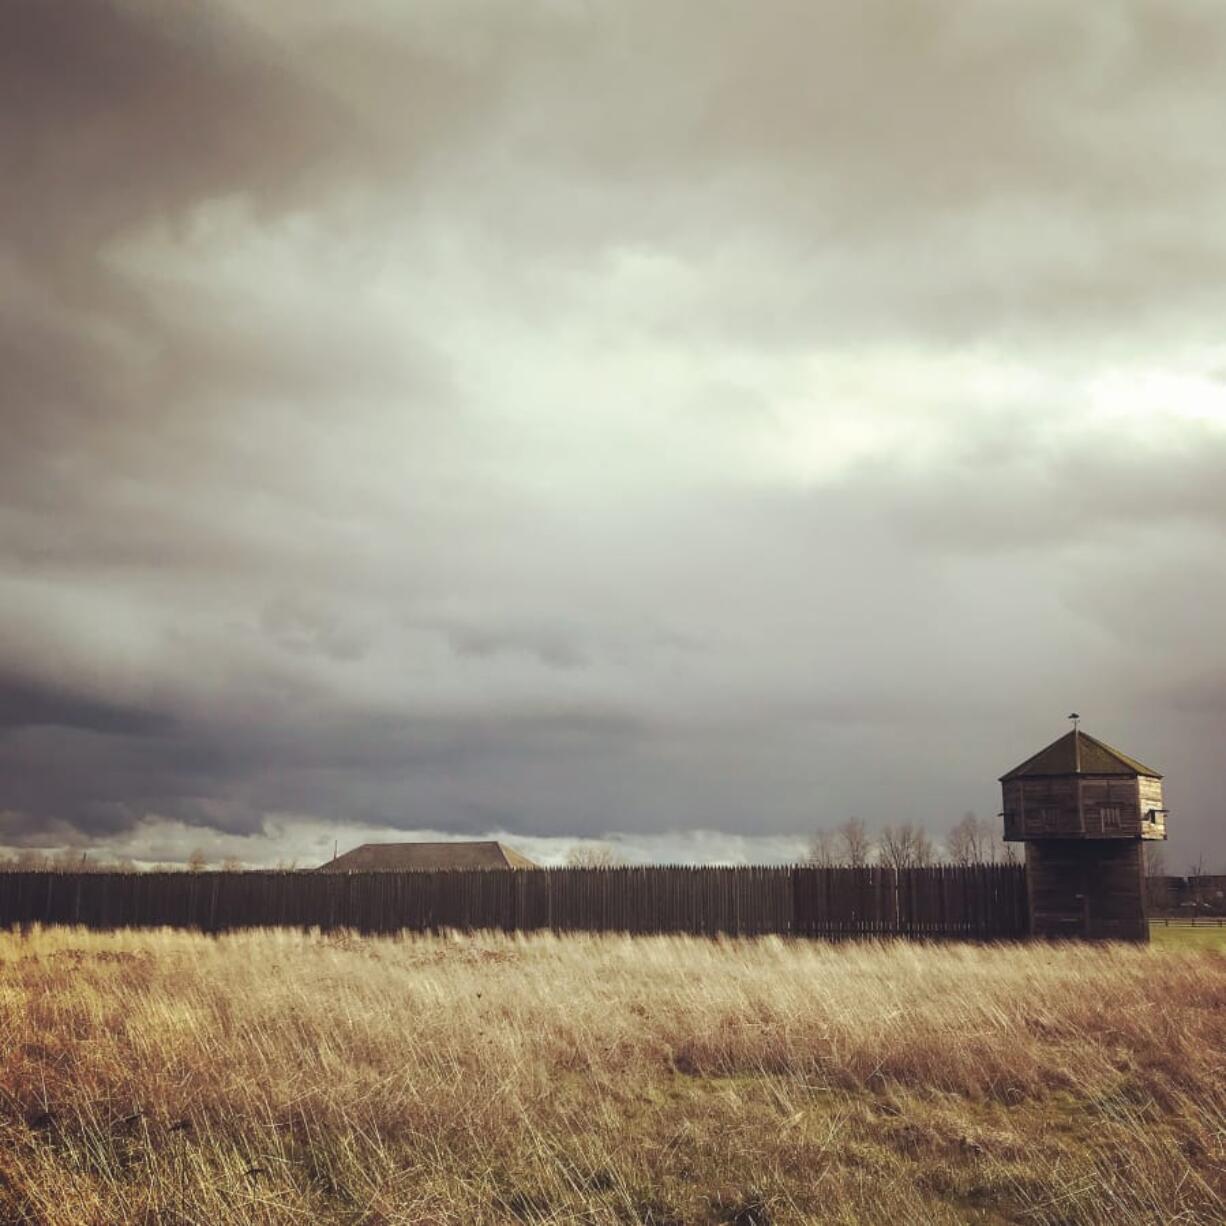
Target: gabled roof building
407 857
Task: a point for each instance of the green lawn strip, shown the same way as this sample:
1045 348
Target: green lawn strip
1187 936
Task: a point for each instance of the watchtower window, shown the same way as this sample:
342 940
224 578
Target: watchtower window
1110 815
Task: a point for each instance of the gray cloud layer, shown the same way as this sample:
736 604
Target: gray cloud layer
560 419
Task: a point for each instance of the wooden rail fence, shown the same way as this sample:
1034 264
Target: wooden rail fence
976 902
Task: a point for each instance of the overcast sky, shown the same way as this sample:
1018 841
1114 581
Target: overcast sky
590 418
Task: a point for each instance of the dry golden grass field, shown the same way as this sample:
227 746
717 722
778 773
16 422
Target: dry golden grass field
283 1077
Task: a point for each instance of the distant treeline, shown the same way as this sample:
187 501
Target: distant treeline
904 845
72 861
1204 895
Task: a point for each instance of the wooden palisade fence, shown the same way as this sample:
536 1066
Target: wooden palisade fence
974 902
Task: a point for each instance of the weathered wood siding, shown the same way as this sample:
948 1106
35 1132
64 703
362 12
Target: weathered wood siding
1077 806
1042 807
1150 791
1011 794
1109 806
1092 889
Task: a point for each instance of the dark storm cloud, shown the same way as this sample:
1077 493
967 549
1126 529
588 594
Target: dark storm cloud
76 764
25 705
559 419
113 113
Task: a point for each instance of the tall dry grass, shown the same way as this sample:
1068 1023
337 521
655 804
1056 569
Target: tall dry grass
280 1077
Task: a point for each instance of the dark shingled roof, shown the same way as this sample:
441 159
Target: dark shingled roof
400 857
1079 753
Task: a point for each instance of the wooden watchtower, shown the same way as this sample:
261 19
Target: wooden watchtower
1084 809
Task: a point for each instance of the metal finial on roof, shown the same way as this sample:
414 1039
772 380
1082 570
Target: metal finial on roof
1076 742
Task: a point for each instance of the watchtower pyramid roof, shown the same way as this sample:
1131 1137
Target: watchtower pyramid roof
1079 753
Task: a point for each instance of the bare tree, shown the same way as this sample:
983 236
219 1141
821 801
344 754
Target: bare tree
1196 885
593 855
823 850
231 864
924 854
197 861
990 842
855 847
896 847
905 846
967 841
1155 860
